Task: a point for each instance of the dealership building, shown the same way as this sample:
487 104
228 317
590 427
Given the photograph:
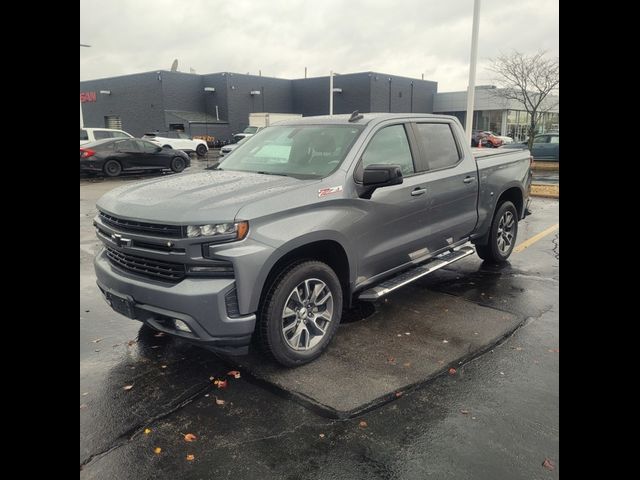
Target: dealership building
218 105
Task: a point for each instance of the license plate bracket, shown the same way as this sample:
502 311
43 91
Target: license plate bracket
122 305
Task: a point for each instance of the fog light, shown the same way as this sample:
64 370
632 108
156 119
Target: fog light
180 325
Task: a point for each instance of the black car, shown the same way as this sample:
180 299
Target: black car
114 156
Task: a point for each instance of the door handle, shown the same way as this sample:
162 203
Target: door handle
418 191
469 179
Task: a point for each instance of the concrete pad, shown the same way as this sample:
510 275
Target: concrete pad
412 337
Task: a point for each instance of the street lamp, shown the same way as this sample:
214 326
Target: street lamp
81 117
472 69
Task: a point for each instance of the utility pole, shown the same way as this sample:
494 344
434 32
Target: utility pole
472 70
331 93
81 116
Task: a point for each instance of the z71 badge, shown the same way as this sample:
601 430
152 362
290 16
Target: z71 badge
323 192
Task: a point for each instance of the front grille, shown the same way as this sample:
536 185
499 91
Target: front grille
156 269
142 227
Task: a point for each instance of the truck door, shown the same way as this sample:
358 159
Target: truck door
451 180
389 233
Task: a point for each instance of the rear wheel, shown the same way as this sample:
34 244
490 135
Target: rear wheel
177 164
300 313
502 236
112 168
201 150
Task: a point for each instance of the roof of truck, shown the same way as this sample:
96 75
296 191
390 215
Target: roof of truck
366 118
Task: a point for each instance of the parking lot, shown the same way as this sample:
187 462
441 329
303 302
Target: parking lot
454 376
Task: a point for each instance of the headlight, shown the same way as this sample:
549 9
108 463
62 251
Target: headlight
223 231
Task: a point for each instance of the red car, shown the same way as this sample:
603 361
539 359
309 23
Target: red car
487 139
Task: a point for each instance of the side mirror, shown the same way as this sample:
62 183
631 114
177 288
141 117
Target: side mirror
380 175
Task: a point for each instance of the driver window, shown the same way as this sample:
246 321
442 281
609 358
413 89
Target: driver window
389 146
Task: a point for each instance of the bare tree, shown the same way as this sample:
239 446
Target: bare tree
530 80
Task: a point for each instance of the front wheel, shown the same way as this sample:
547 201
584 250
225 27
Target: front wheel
300 313
177 164
201 150
502 236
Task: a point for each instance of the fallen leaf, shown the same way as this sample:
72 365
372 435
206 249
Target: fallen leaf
399 335
234 374
212 378
408 364
554 350
445 341
132 342
85 394
501 373
548 464
159 334
473 418
190 437
482 294
391 360
116 345
128 387
398 394
156 346
220 383
157 450
363 424
147 431
452 371
441 362
219 401
163 366
464 412
97 340
83 405
407 333
97 350
191 457
475 333
207 395
322 435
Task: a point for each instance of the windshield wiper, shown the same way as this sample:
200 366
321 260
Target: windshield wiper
272 173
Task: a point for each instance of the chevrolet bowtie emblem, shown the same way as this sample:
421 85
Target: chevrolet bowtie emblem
120 241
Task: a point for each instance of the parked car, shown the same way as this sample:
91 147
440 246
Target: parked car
114 156
178 141
227 149
88 135
545 146
486 139
297 223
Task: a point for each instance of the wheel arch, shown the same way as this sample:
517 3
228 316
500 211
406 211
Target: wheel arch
329 250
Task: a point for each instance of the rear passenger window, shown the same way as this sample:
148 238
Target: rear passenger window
438 145
389 146
101 134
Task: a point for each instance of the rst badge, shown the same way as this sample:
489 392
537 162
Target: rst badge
323 192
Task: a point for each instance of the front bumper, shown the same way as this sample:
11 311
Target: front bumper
198 302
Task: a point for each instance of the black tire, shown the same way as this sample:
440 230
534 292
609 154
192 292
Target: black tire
112 168
270 331
495 251
178 164
201 150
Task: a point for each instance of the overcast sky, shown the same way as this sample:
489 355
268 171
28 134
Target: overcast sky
281 37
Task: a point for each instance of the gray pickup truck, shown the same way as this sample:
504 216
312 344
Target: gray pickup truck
305 217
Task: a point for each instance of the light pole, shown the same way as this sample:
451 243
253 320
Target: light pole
472 70
331 93
81 117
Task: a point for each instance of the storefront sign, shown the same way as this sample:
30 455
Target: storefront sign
87 97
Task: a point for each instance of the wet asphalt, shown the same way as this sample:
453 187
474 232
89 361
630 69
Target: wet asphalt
496 418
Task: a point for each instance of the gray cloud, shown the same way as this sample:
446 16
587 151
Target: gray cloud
281 37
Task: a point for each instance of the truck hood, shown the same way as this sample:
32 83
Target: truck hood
204 197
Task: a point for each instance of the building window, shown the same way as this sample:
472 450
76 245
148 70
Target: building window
113 121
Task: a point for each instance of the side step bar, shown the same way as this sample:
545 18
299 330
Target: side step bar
415 273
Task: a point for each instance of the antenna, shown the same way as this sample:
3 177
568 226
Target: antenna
174 65
355 116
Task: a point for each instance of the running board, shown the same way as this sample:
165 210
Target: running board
415 273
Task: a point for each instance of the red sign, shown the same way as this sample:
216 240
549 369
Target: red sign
87 97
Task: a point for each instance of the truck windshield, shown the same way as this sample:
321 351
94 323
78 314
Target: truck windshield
301 151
